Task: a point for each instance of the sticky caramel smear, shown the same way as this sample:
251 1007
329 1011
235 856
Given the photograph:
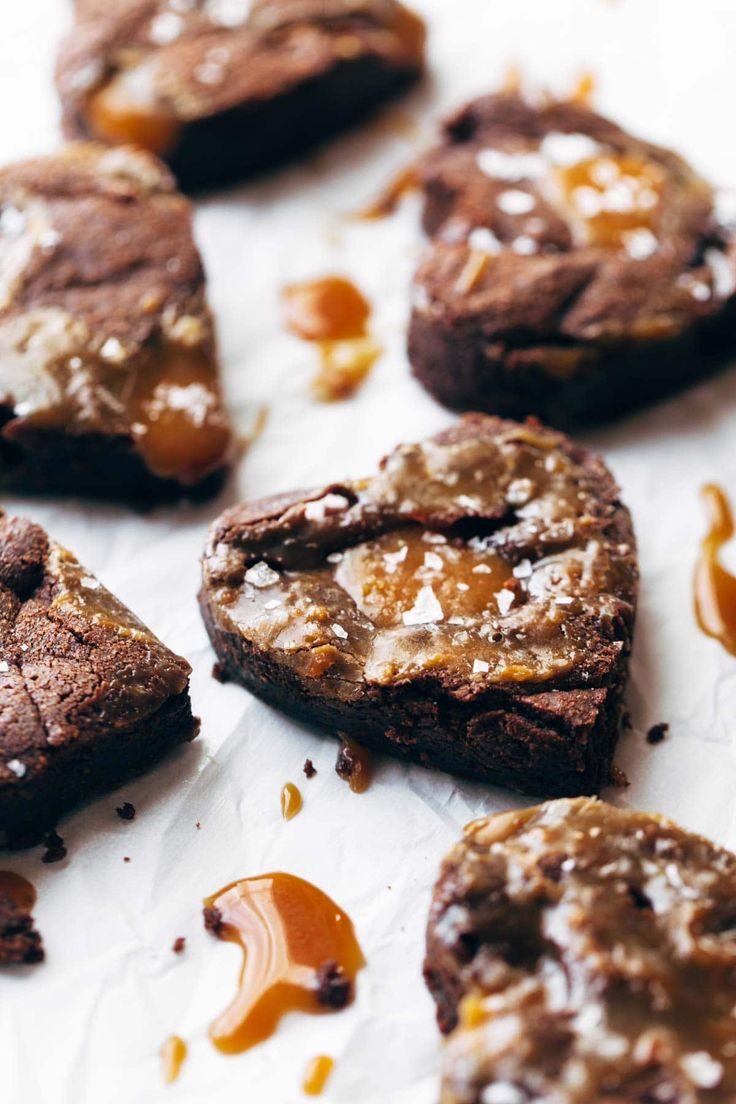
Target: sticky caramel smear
317 1074
389 199
287 929
613 196
173 1055
354 765
332 313
125 111
291 801
584 90
18 889
715 588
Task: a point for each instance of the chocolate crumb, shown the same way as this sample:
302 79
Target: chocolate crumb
55 849
333 985
219 673
198 825
347 763
20 943
212 919
126 811
309 768
618 778
657 733
126 858
179 944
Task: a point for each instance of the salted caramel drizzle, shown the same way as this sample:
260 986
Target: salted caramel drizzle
715 588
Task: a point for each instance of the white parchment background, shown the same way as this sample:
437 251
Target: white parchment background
85 1028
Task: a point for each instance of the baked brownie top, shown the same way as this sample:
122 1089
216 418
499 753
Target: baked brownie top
75 664
139 69
553 224
594 950
492 554
104 326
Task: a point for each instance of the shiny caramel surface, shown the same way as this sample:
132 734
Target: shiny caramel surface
612 196
288 929
291 801
715 587
355 765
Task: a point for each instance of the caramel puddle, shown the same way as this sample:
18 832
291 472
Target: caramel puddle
295 940
333 314
354 765
18 889
291 801
317 1073
715 588
173 1055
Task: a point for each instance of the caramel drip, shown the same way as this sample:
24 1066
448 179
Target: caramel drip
355 765
333 314
584 91
389 199
18 889
715 588
288 929
126 111
291 801
173 1054
316 1075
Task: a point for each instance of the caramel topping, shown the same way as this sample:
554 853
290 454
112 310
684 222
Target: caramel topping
389 199
178 423
584 90
715 588
392 579
612 196
126 111
291 801
334 314
316 1075
293 937
354 765
173 1055
18 889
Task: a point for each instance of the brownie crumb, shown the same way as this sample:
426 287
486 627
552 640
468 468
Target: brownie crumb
212 919
347 763
20 943
333 985
179 944
219 673
126 811
309 768
55 849
618 778
198 825
657 733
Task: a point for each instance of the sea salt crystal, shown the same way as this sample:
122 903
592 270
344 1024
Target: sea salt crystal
504 601
480 666
502 1092
483 240
641 244
19 769
434 538
209 72
482 569
338 630
261 575
426 609
113 350
433 562
500 165
90 583
228 13
322 507
523 569
519 492
12 221
165 27
568 149
335 557
391 560
703 1070
524 245
515 202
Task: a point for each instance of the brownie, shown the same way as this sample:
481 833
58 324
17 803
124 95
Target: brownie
225 88
20 943
584 954
470 606
574 272
88 696
108 368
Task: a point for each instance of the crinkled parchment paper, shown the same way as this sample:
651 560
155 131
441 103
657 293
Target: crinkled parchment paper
85 1028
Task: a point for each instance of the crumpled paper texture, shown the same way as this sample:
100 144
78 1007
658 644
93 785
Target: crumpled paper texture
86 1027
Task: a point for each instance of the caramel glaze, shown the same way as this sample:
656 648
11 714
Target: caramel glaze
288 929
173 1055
291 801
18 889
333 314
317 1073
715 588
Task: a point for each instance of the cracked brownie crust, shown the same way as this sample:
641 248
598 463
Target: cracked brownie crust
470 606
225 88
574 272
108 370
578 953
88 696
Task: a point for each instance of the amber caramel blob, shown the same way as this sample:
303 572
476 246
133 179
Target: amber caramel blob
389 199
317 1074
355 765
126 111
715 588
612 196
18 889
173 1056
291 801
288 929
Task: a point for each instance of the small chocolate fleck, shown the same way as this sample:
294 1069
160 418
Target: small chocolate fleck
126 858
657 733
126 811
55 849
309 768
198 825
212 919
179 944
333 985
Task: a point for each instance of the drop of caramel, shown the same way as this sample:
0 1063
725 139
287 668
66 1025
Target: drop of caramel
288 929
389 199
18 889
127 111
316 1075
354 765
173 1054
291 801
715 588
